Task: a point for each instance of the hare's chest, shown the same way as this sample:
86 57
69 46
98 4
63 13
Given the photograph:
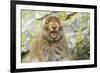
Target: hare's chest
54 54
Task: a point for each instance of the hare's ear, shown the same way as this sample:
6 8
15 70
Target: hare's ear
45 20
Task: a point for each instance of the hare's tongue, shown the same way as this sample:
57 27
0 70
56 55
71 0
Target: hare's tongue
54 34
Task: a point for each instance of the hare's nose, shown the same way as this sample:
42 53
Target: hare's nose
54 27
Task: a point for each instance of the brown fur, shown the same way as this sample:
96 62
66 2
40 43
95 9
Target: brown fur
51 44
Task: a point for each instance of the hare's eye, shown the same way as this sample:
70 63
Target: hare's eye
60 28
45 28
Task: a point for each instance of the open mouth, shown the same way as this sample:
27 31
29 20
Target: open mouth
53 34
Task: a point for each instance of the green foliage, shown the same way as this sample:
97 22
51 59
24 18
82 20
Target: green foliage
82 43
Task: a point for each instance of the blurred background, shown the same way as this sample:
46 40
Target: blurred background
76 28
